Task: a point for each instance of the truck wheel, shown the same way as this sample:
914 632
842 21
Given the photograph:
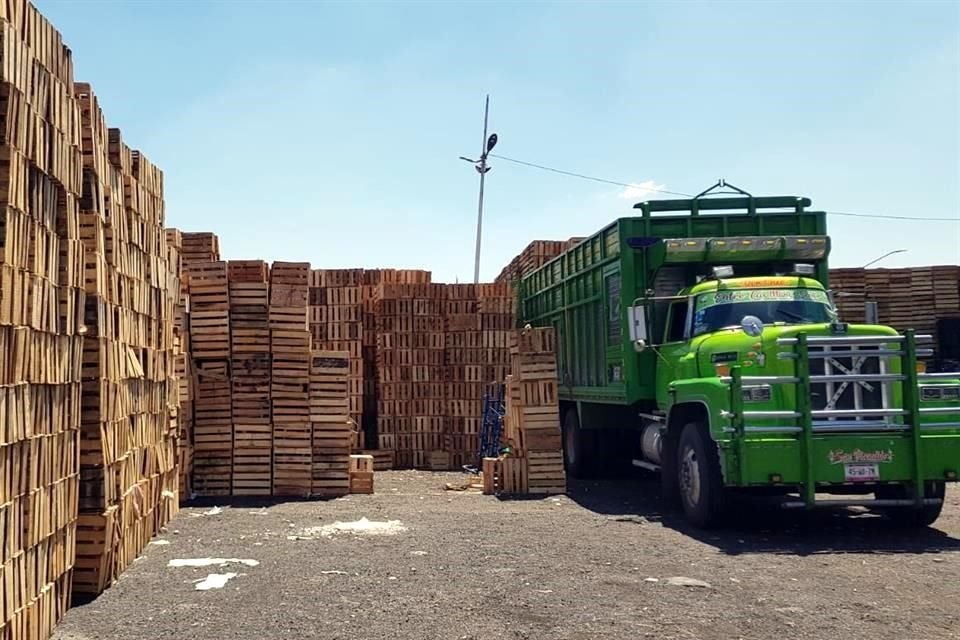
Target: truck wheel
911 516
577 452
699 478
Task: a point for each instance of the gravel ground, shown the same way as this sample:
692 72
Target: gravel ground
592 565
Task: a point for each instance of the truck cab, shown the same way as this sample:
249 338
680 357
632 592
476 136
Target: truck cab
708 344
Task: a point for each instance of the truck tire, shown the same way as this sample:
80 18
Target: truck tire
911 517
699 478
578 453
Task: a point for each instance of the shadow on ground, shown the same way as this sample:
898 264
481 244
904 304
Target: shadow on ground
758 527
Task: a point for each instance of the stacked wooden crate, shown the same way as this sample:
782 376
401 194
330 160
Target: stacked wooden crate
290 378
534 255
200 247
213 410
250 377
41 312
410 357
532 422
463 376
361 473
128 456
183 369
336 324
330 427
372 279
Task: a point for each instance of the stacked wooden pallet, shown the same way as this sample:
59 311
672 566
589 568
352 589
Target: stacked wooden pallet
41 311
128 450
330 426
250 377
336 324
183 371
290 378
532 423
410 359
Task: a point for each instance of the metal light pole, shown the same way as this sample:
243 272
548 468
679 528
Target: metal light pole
481 166
871 310
889 253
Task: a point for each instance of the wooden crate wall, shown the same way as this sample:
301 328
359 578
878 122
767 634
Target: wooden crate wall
128 446
290 378
250 377
336 324
911 297
41 312
183 371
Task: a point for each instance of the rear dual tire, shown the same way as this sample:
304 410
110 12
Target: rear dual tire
913 517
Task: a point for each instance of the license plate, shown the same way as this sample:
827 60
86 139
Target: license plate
861 472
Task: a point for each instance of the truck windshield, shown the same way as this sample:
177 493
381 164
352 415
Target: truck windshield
718 309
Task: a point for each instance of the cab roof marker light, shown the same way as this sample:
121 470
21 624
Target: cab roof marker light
723 271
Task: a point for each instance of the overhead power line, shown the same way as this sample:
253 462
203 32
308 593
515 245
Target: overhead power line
617 183
884 217
586 177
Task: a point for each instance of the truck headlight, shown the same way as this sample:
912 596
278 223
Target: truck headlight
757 394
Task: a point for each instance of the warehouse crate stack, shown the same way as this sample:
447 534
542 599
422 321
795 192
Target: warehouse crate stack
336 324
41 315
250 377
290 378
128 450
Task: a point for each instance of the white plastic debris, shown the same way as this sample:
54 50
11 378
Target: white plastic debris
215 511
334 573
159 543
361 527
214 581
681 581
210 562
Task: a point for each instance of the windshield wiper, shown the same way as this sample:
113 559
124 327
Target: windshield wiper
791 314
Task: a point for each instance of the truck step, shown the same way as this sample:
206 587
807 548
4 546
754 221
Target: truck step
643 464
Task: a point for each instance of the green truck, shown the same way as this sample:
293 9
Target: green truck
701 338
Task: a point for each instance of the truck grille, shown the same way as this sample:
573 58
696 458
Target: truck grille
849 395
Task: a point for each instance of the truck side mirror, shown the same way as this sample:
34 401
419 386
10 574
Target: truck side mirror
637 317
752 326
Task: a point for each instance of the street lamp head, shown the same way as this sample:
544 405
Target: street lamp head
886 255
491 142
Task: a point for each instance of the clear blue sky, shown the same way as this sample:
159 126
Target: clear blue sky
330 132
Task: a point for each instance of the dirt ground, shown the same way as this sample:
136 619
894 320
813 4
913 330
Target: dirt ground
592 565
